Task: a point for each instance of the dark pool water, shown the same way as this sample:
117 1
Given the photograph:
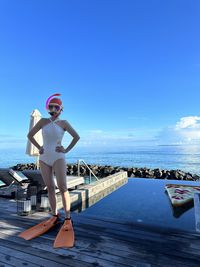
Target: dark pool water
144 201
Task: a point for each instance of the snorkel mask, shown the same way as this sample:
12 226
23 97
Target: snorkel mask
54 105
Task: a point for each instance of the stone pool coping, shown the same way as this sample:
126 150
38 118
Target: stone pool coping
83 193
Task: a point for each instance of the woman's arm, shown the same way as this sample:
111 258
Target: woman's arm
33 131
73 133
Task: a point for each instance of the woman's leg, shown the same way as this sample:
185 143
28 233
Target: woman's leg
60 172
47 176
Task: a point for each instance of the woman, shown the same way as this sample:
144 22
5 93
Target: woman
52 153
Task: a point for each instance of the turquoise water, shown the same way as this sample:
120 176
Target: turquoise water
186 158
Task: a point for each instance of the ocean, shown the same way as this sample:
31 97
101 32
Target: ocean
186 158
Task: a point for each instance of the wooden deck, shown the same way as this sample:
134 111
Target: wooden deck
99 242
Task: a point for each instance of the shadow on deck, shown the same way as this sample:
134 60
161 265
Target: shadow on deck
99 242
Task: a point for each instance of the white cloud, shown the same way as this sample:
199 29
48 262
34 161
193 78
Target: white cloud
185 131
188 122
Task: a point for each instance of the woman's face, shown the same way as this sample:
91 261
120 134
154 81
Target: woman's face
54 109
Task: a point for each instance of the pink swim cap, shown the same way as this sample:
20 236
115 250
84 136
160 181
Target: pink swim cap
54 100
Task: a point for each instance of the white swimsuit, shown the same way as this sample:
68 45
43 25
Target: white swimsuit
52 137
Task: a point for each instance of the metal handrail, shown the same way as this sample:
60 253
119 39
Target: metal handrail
90 171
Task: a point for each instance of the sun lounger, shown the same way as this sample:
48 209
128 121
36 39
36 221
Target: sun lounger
9 176
18 176
35 176
11 180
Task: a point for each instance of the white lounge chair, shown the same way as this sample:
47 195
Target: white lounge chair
10 181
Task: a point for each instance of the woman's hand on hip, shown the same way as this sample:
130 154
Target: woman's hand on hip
60 149
41 150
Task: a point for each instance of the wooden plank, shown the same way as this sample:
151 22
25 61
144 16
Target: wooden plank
152 258
47 258
106 243
173 248
2 264
130 251
169 265
14 231
101 226
146 229
122 227
183 240
19 258
7 257
144 257
97 232
170 253
86 255
26 224
156 261
79 256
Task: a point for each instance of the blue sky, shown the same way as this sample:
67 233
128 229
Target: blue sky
128 71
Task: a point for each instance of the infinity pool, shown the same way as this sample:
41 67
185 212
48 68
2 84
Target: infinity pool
144 201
